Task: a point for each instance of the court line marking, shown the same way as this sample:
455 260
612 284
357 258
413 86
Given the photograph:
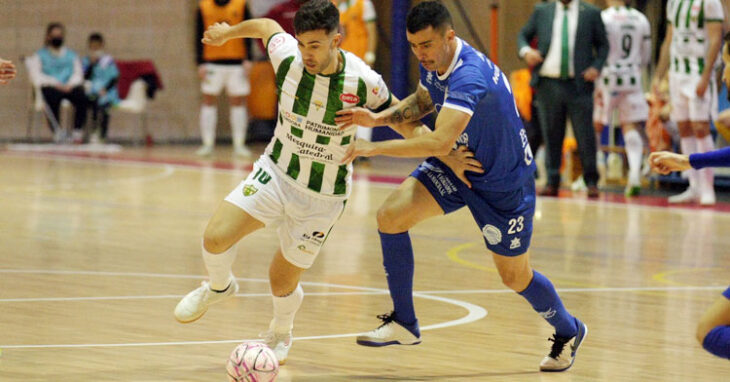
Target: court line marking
474 312
140 162
662 276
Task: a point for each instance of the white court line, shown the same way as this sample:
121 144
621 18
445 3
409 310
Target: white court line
474 312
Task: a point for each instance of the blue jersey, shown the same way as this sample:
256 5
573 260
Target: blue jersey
59 67
475 85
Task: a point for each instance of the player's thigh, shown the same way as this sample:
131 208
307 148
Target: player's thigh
718 314
408 205
237 84
214 80
228 225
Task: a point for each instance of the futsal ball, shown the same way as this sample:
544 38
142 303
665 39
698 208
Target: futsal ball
252 362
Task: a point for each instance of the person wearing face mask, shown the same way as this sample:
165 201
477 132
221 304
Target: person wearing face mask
102 75
571 50
57 71
222 67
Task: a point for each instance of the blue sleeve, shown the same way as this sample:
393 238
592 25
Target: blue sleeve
716 158
466 88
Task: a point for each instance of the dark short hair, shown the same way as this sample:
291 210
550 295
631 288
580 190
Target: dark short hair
96 37
54 25
428 14
316 15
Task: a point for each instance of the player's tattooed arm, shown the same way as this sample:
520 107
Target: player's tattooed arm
413 108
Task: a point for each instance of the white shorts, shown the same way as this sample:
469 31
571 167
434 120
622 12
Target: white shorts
304 220
686 106
631 105
231 77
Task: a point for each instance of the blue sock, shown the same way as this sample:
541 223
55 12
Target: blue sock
398 263
544 299
717 341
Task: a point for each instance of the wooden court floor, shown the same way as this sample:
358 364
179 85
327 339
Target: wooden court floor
96 252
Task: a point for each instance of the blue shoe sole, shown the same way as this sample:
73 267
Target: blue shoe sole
381 344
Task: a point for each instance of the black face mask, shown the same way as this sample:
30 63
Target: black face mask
56 42
222 3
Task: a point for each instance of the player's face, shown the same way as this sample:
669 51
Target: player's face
431 47
318 49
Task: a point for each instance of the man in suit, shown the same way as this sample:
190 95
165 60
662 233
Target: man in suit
565 68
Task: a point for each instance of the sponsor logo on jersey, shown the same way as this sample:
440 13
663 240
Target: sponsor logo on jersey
349 98
304 249
249 190
492 234
515 243
276 42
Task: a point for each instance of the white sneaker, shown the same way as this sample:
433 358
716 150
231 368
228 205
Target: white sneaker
204 151
389 333
688 196
708 199
557 360
195 304
242 151
280 343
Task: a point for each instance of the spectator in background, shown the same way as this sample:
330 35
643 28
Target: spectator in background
57 71
102 75
565 68
688 54
284 15
7 71
360 36
221 67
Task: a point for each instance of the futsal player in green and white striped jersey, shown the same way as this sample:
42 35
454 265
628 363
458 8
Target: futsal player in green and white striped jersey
299 182
689 54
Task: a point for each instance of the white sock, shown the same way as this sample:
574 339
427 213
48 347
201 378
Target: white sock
689 146
239 125
365 133
284 310
706 175
634 150
208 122
219 267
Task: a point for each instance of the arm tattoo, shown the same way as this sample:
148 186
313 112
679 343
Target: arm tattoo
411 109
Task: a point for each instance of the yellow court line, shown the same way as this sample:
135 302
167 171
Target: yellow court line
453 255
663 277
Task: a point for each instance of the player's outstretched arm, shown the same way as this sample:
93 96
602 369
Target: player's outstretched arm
218 33
665 162
412 108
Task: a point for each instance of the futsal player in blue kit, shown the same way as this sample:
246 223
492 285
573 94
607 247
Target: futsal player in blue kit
476 112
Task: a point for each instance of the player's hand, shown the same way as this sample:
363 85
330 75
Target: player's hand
533 57
216 34
591 74
355 116
702 86
7 71
664 162
202 72
460 161
359 148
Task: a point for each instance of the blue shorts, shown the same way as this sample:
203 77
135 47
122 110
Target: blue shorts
505 218
726 293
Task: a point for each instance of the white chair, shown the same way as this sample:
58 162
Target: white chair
37 106
136 103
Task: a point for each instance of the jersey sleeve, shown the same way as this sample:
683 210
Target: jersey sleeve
368 13
378 96
713 11
280 47
465 90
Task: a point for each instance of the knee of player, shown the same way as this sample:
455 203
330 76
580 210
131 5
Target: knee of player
214 241
392 220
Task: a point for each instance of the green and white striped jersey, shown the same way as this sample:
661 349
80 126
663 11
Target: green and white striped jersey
629 39
307 145
689 45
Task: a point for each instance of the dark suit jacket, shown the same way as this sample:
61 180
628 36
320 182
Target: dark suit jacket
591 44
